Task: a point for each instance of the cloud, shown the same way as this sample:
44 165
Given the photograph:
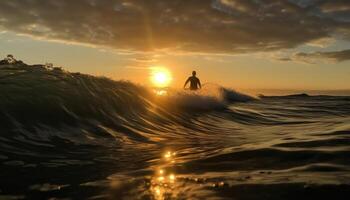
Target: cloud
335 6
136 67
322 42
317 57
149 59
205 26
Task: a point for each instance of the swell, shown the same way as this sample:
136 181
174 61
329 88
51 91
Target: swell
40 103
43 108
272 159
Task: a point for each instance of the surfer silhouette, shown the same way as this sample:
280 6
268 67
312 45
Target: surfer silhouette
195 83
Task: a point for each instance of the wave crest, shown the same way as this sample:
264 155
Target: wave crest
210 97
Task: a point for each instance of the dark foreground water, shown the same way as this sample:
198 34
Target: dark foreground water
72 136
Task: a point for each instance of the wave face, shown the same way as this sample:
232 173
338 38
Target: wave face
69 135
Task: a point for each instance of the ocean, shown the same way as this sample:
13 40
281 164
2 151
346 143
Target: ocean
74 136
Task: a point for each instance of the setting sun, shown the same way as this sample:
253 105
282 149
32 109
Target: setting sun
160 77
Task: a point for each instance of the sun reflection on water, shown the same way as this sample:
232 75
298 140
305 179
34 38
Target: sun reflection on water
161 92
162 183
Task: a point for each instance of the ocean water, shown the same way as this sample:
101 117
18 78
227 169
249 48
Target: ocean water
73 136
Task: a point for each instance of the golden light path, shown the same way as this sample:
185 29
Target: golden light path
160 77
162 182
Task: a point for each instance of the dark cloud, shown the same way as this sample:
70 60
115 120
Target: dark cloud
335 56
219 26
335 6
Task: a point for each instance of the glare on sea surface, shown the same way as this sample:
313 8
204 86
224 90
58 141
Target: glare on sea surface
160 77
163 181
161 92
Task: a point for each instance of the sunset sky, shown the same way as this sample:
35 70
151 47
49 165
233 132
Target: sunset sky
243 44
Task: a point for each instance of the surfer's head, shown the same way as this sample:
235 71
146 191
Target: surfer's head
194 73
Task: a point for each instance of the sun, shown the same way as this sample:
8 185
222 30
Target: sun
160 77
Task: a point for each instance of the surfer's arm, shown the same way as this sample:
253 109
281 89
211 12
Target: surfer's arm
188 80
199 84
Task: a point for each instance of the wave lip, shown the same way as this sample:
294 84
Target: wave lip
234 96
210 97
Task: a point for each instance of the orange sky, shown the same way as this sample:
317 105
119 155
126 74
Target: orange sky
247 45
